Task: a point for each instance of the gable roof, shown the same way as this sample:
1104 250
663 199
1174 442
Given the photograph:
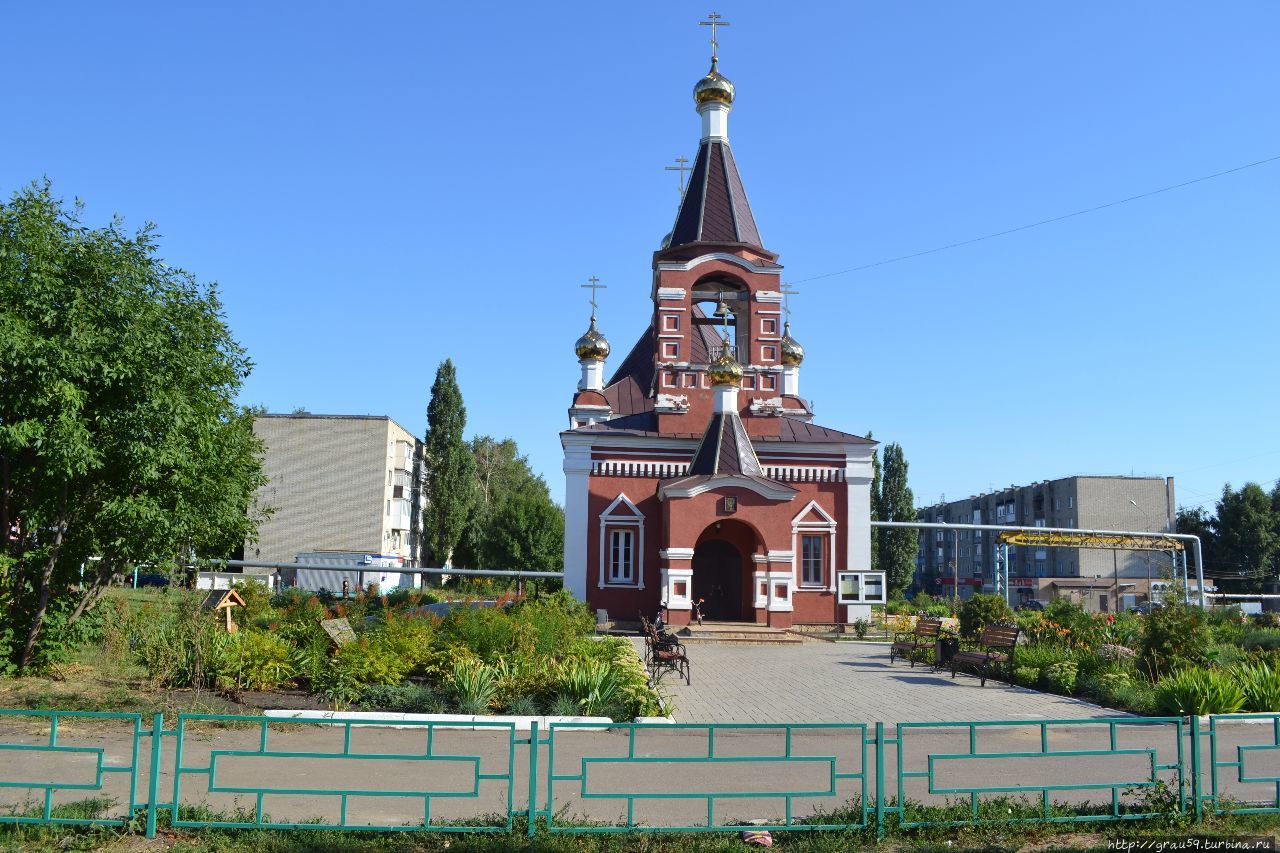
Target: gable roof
725 449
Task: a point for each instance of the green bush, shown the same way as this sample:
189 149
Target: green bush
982 610
474 687
593 685
1173 637
257 601
182 646
523 706
1027 676
860 628
256 660
1261 685
1080 629
1061 677
405 698
1195 691
1263 639
1041 656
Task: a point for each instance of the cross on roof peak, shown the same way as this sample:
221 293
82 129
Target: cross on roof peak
594 284
713 21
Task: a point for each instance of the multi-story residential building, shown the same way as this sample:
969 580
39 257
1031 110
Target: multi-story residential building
1099 579
339 483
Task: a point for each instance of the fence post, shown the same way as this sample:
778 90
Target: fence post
533 775
153 773
1196 793
879 780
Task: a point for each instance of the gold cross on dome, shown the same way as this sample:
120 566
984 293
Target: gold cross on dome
681 167
594 285
787 293
713 21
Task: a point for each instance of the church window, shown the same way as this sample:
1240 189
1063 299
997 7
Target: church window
769 382
621 556
668 379
811 564
769 326
670 349
749 382
691 380
671 322
769 353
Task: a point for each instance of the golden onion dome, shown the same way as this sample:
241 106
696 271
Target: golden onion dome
714 87
725 370
792 352
592 345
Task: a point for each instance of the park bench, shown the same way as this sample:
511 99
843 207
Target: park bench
663 653
995 647
923 636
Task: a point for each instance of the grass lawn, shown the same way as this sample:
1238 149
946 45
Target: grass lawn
990 837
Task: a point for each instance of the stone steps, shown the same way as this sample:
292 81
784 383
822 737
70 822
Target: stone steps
737 634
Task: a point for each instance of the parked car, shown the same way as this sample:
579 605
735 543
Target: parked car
1031 604
1145 607
153 579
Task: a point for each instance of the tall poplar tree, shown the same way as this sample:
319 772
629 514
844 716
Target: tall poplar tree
898 546
450 468
877 514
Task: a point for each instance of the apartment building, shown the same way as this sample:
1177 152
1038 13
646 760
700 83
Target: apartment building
1099 579
338 483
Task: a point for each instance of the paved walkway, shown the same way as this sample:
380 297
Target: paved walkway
846 682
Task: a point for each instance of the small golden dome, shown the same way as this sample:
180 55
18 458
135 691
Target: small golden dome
725 370
714 87
592 345
792 352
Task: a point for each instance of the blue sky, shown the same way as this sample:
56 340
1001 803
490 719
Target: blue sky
376 187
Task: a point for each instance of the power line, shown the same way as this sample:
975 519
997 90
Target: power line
1031 225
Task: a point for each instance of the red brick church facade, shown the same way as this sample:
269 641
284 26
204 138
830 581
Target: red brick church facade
696 470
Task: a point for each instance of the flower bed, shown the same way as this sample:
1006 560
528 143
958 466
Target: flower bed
516 656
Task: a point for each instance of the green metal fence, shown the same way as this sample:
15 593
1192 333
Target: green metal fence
76 781
311 773
642 779
1002 768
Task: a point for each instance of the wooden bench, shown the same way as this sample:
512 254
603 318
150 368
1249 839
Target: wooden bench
995 647
923 636
663 653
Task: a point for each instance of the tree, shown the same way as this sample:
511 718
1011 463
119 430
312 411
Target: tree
120 441
514 523
898 546
877 514
1246 537
450 469
1195 521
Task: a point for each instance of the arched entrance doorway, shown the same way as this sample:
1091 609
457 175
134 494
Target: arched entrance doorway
717 577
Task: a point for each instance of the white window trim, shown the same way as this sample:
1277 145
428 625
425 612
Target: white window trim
764 353
635 519
828 526
670 349
670 322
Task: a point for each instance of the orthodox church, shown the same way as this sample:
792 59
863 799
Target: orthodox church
696 471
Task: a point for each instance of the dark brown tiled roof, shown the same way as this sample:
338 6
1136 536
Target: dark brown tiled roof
726 449
628 389
794 429
715 208
791 430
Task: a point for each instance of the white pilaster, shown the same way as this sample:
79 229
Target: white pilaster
858 473
577 471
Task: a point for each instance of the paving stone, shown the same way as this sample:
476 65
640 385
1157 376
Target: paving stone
847 682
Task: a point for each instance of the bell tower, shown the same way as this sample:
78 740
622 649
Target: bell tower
713 277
